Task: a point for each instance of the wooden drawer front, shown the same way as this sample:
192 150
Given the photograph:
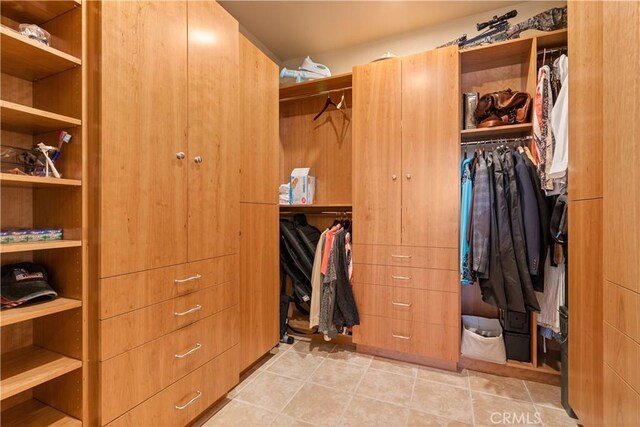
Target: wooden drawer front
622 354
132 377
407 277
437 341
439 308
129 292
210 383
129 330
407 256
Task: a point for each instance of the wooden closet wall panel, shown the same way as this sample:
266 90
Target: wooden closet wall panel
407 277
622 309
260 281
621 402
430 148
259 129
214 123
144 125
377 196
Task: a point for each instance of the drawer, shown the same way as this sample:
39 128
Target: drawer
126 331
418 305
424 339
185 400
129 292
138 374
407 256
622 354
407 277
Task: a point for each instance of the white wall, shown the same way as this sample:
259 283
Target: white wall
341 60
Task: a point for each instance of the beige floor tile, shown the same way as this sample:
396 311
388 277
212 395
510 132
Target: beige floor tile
287 421
511 388
442 400
317 405
363 411
270 391
386 386
418 419
245 380
555 417
340 375
458 379
348 354
241 414
544 394
394 366
498 411
297 365
269 358
315 347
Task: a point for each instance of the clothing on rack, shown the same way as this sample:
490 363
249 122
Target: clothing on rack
542 132
465 210
560 120
316 282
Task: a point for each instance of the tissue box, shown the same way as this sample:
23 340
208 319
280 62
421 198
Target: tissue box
302 187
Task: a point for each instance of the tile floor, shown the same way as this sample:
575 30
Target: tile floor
321 384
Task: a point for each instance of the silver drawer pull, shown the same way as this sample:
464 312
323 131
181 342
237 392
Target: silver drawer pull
193 350
401 277
188 279
401 304
198 307
400 256
193 399
402 337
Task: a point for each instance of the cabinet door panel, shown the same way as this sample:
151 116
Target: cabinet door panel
377 152
430 148
213 131
144 125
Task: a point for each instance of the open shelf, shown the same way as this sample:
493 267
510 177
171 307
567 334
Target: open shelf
31 366
313 87
510 131
7 248
315 208
20 118
36 12
33 413
13 180
29 59
495 55
552 39
33 311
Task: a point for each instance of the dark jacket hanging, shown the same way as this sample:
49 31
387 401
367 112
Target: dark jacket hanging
481 220
530 215
345 312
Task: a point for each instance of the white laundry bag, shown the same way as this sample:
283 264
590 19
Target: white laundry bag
482 339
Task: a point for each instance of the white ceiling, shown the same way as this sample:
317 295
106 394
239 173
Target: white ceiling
291 29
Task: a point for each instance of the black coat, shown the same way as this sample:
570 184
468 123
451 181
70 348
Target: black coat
530 215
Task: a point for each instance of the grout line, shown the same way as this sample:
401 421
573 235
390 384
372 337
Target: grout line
473 414
353 395
413 389
535 407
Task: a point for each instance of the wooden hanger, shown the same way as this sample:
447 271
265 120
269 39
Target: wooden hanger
328 102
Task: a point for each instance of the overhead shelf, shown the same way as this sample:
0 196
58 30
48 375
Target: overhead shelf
314 87
31 366
33 311
33 413
7 248
37 12
13 180
510 131
29 59
20 118
339 208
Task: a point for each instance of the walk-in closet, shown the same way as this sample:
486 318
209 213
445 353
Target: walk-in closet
297 213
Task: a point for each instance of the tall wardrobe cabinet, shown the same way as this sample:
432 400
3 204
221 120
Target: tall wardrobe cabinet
165 157
405 165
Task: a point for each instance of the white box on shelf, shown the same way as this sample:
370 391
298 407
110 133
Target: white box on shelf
302 187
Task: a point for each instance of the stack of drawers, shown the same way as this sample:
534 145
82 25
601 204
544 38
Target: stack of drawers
168 342
408 299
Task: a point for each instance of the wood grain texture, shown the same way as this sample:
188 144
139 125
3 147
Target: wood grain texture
377 155
213 191
23 119
60 333
622 309
129 292
586 305
37 12
61 94
312 87
16 90
64 393
7 248
585 100
41 309
215 334
259 281
406 256
16 336
144 205
161 410
430 149
472 304
511 369
621 402
67 32
36 414
259 154
406 277
622 354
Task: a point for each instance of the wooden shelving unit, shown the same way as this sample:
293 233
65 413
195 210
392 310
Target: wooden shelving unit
28 367
312 87
44 353
37 310
496 132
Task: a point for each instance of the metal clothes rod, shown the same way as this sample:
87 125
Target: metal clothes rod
497 141
337 213
325 92
552 50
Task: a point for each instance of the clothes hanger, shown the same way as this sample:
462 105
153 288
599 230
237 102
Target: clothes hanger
342 103
328 102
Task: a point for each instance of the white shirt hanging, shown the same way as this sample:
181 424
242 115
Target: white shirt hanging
560 121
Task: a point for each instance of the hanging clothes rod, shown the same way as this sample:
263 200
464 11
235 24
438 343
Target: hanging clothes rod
337 213
497 141
324 92
552 50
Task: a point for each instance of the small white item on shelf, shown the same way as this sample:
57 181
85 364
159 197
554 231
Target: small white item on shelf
35 33
283 194
49 164
386 55
302 187
309 70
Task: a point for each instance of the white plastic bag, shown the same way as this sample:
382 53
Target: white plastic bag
482 339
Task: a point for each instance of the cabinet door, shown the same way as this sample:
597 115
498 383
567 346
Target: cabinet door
430 148
143 126
213 131
377 152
